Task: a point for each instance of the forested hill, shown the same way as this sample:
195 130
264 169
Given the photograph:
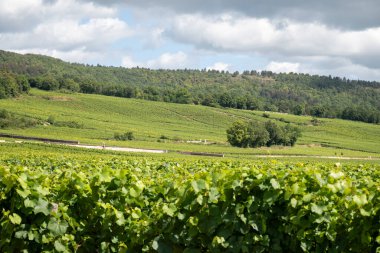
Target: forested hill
321 96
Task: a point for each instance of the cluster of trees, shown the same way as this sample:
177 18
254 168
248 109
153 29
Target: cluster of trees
12 85
257 134
361 114
300 94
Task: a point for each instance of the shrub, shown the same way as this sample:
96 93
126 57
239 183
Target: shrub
51 120
10 120
124 137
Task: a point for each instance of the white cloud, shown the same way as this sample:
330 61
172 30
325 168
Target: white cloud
79 55
15 7
176 60
129 62
221 66
68 29
68 35
169 61
156 37
275 37
283 67
21 15
337 66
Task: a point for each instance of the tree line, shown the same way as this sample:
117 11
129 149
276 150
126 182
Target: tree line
300 94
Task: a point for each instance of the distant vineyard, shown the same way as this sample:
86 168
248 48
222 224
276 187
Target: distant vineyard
300 94
161 206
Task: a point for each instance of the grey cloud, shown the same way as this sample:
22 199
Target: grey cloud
20 24
344 14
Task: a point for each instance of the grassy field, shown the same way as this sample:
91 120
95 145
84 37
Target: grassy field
102 116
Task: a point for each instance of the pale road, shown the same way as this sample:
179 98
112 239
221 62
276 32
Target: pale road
119 149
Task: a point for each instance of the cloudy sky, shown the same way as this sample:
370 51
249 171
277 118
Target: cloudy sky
337 37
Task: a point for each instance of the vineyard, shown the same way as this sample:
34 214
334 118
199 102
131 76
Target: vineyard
146 205
173 127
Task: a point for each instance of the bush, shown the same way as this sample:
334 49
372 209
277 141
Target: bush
10 120
51 120
71 124
124 137
315 121
4 114
164 137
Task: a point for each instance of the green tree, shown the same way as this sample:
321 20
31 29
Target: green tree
276 133
257 134
236 134
8 85
292 133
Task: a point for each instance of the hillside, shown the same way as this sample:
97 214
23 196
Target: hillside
94 119
300 94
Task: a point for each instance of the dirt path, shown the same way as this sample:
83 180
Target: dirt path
319 156
123 149
157 151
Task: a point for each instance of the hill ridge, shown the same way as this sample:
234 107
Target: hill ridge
300 94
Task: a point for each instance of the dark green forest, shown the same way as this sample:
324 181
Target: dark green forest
300 94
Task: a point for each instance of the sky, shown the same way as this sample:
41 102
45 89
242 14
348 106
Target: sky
325 37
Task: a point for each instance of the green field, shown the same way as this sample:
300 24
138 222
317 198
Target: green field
102 116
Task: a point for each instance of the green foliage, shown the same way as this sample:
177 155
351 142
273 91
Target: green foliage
70 124
102 116
10 120
164 137
51 120
256 134
93 205
361 114
12 85
127 136
300 94
236 134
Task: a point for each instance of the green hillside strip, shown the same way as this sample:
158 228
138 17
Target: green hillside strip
102 116
300 94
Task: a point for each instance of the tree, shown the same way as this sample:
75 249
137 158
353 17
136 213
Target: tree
318 111
292 133
247 134
276 133
8 85
69 84
236 134
256 134
299 109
